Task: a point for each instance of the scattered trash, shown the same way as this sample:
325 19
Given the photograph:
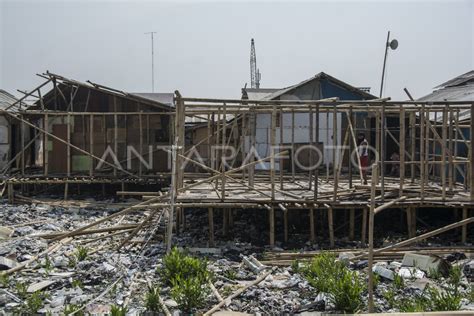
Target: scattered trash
383 272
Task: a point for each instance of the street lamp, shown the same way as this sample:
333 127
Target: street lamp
393 44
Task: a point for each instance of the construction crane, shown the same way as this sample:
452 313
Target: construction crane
254 71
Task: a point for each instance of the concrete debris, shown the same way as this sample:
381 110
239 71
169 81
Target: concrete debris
411 273
5 232
426 263
6 263
39 286
383 272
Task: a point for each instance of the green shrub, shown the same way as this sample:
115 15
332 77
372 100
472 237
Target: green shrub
330 276
416 303
178 264
189 293
152 300
188 277
347 292
118 310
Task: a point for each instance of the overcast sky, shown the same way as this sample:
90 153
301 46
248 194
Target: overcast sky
203 48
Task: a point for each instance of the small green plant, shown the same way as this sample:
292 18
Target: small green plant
73 308
21 288
440 300
34 302
152 300
118 310
230 274
330 276
77 283
398 282
4 280
47 265
389 296
416 303
81 253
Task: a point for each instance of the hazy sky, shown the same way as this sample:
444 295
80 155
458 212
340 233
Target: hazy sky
203 48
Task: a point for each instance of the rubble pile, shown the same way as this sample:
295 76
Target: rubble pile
89 274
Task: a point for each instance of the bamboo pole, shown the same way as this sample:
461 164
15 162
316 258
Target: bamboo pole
371 240
464 227
312 237
402 150
211 226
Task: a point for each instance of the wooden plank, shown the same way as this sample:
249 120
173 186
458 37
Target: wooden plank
312 236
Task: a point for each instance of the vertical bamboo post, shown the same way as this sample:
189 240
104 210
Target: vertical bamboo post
115 137
330 224
427 146
364 224
46 146
383 152
223 152
471 155
22 141
271 212
377 136
351 223
316 171
443 152
293 145
413 145
218 153
402 149
351 146
422 152
140 126
211 226
253 131
451 170
285 225
409 212
68 166
464 227
272 152
311 143
280 162
335 157
312 236
371 241
91 143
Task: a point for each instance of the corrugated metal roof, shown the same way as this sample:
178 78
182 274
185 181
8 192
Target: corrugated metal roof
322 75
458 93
7 99
464 78
164 98
258 94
